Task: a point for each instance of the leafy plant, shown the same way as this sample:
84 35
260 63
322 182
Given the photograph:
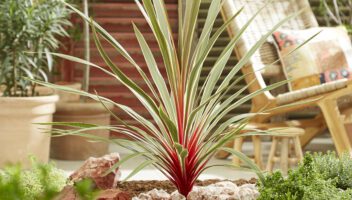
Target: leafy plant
335 168
305 182
86 189
337 12
186 133
43 182
29 26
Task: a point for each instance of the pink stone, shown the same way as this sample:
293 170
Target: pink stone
68 193
95 168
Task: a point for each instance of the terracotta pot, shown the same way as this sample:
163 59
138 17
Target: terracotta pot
76 147
20 135
68 97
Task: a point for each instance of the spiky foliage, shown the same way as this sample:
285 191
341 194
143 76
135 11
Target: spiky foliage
186 133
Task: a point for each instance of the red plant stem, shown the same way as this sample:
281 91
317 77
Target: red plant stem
199 170
183 176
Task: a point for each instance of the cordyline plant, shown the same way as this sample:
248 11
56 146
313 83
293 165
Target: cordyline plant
186 133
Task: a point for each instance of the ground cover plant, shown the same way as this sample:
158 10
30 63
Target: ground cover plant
186 112
318 177
338 169
42 181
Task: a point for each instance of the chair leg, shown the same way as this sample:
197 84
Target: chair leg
312 128
335 123
270 164
238 147
298 149
310 133
257 151
284 155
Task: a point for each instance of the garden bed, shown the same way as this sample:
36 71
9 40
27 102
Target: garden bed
134 188
318 177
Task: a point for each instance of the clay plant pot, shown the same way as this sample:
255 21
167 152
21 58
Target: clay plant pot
68 97
20 133
76 147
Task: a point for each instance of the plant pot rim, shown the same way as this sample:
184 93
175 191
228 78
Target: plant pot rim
44 98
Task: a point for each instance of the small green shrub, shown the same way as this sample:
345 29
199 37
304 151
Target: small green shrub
42 182
335 168
304 183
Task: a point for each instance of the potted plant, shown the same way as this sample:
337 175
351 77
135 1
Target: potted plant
28 32
73 108
186 132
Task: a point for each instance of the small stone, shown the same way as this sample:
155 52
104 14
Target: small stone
177 196
154 194
248 192
68 193
224 191
95 168
219 191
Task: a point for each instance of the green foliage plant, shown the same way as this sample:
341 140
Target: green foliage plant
41 182
308 182
186 111
86 189
338 169
29 26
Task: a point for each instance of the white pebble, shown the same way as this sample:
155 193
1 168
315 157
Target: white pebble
225 190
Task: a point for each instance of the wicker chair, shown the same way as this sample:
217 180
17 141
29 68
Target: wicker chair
323 96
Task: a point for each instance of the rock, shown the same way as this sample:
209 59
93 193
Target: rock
154 194
177 196
219 191
68 193
224 191
94 168
248 192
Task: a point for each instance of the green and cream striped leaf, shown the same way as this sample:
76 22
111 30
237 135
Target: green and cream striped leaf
156 75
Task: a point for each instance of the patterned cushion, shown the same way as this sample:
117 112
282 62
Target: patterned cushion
325 58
